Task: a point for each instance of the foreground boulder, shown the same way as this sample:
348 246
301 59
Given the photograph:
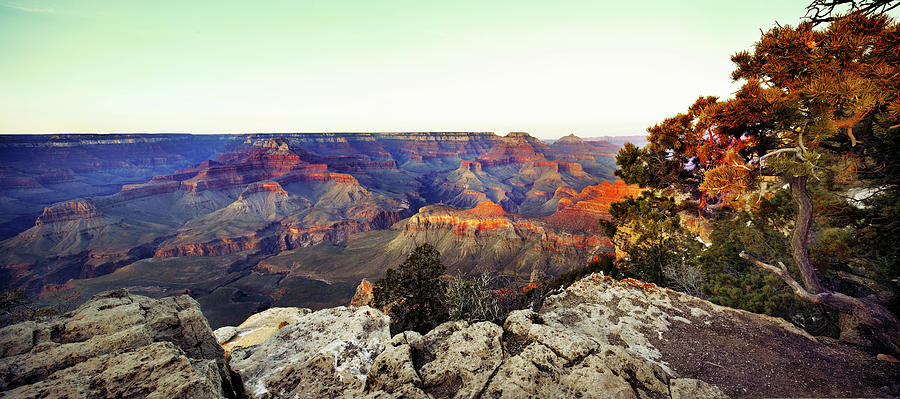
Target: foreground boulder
116 345
258 327
322 354
525 358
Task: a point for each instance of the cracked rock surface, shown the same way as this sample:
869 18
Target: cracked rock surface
528 357
323 354
116 345
600 338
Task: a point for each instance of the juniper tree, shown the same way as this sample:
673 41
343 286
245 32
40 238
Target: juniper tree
818 108
413 294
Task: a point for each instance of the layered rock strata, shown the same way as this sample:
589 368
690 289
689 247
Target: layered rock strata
485 239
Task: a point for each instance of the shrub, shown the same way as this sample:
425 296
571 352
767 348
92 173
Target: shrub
475 299
16 307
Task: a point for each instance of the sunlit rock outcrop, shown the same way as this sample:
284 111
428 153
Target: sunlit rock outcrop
258 327
495 241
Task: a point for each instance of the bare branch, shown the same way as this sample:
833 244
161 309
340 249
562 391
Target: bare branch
819 11
798 289
778 151
782 265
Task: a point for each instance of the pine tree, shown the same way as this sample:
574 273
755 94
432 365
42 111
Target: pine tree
414 293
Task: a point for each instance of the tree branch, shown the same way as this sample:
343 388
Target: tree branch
798 289
779 151
820 11
883 322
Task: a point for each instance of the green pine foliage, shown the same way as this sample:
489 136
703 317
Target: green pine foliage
733 282
414 294
659 250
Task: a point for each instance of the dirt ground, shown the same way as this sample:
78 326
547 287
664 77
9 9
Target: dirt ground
747 360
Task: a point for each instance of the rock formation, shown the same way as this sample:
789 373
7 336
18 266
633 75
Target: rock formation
363 295
579 211
322 354
486 239
257 328
532 355
39 170
117 345
598 338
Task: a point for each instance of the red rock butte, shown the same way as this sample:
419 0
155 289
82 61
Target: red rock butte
581 211
486 209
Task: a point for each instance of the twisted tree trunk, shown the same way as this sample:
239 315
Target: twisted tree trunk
800 236
868 311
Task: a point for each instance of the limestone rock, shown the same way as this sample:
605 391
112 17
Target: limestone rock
600 338
680 336
539 372
258 327
464 358
116 345
326 353
525 358
689 388
224 334
17 339
394 367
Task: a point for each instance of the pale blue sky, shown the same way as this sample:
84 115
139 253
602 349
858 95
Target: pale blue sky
546 67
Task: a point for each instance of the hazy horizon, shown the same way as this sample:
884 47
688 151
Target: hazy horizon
583 67
329 132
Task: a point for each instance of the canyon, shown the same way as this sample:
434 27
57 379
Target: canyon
245 222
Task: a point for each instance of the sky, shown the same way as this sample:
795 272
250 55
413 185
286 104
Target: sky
549 68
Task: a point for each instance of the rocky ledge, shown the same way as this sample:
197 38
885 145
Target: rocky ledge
599 338
117 345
